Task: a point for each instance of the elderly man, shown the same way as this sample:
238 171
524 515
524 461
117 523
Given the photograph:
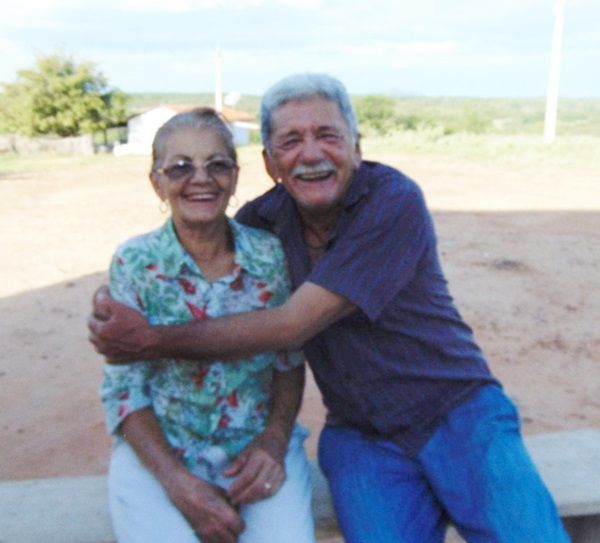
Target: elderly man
418 431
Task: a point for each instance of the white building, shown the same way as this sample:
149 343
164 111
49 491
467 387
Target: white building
142 128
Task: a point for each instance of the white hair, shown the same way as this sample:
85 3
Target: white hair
301 87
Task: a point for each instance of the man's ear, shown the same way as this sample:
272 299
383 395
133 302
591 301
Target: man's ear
270 166
357 158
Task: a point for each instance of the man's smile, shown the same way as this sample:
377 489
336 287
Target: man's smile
318 172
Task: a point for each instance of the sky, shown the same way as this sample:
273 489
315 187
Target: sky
480 48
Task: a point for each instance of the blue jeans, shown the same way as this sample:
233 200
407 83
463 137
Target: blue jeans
474 472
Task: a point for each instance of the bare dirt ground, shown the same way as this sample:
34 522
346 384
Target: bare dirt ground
521 248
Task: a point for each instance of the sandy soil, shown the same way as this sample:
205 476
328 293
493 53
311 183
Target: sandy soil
521 249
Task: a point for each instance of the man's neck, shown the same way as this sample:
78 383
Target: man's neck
319 224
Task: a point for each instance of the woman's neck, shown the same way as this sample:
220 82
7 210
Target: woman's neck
211 246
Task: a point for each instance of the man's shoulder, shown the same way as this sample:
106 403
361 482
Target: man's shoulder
388 190
387 180
261 211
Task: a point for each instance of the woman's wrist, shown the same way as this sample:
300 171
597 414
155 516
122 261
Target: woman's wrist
278 430
165 466
172 476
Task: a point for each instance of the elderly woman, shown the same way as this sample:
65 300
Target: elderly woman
205 451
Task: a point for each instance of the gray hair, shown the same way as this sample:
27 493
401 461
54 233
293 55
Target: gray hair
302 87
201 118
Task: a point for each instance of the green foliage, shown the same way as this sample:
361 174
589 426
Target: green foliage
525 152
502 116
60 97
376 114
435 115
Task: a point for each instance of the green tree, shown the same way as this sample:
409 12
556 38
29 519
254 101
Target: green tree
61 97
377 113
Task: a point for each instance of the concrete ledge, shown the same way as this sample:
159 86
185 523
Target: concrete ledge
569 463
75 510
63 510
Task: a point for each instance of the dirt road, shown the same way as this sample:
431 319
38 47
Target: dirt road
521 249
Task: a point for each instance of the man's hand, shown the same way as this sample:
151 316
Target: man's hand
260 468
206 507
118 332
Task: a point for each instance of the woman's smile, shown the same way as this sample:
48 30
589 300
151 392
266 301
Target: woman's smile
200 198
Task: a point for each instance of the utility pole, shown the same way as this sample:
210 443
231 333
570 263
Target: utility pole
552 96
218 88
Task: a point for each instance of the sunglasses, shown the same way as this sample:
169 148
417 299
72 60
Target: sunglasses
219 169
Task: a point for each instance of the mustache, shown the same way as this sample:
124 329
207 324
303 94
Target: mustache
305 169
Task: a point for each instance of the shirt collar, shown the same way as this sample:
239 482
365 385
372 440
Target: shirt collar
174 256
245 253
359 186
175 259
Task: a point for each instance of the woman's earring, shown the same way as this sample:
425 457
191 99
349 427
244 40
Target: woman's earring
163 207
235 202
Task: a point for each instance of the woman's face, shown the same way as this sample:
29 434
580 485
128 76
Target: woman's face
197 177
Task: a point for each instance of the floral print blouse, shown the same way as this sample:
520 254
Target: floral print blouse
208 413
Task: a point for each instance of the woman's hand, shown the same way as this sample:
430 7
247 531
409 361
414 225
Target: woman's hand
206 507
260 468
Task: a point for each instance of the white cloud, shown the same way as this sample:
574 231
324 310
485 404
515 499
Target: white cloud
31 7
364 43
28 13
19 13
299 4
9 48
390 49
14 57
185 6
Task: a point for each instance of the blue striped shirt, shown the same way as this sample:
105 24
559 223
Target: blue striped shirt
396 366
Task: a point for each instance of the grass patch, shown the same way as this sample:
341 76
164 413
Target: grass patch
521 150
503 116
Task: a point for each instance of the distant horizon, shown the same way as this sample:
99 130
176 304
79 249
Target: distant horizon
390 94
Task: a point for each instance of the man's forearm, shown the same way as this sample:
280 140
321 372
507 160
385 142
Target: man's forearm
309 310
122 334
226 338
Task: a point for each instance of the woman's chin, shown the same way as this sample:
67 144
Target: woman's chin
200 219
200 212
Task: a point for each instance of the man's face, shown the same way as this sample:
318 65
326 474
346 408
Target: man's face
313 153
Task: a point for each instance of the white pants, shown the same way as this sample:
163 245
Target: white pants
142 512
